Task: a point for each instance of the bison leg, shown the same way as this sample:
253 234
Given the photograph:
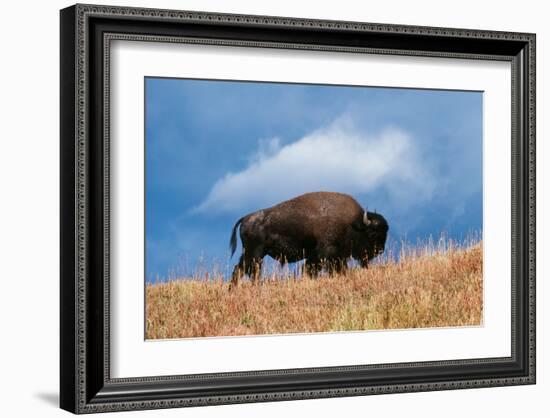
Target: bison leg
337 267
312 267
251 266
253 263
254 269
237 272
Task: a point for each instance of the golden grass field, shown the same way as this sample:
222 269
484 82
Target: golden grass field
426 288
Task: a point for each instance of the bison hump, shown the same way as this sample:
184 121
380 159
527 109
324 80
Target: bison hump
323 206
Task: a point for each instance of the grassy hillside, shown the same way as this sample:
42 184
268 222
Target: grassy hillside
426 288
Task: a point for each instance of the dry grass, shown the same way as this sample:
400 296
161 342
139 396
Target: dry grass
431 288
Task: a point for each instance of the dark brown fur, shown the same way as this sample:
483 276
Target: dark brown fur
324 228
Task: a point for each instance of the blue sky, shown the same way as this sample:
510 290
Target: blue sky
217 150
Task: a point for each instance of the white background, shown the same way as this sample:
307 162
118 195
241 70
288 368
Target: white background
29 220
132 356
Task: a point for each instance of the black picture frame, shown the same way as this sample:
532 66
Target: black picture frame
85 382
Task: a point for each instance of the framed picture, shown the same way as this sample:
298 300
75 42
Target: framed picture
264 208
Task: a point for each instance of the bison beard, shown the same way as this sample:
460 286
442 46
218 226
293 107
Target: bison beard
323 228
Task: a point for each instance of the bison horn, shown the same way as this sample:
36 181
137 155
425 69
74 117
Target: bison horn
366 218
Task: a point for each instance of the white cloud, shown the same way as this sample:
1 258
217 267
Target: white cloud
338 157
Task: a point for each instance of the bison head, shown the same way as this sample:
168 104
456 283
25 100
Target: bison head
371 233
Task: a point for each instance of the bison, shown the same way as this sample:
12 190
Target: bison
323 228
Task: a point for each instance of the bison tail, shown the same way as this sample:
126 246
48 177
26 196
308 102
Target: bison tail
233 240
